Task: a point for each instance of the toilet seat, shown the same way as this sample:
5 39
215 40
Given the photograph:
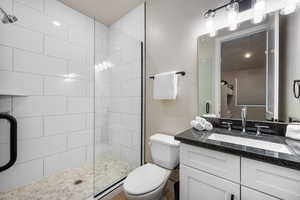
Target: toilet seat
145 179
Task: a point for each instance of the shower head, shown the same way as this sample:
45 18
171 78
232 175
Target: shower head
7 19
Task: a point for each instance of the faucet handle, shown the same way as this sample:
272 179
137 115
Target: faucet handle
259 128
229 124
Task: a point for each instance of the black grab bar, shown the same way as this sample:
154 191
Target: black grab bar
13 140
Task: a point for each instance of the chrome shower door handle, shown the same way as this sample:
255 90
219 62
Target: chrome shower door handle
13 141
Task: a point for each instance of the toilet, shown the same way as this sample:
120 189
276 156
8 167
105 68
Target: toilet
148 181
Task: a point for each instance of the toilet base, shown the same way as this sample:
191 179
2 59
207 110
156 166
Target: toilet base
154 195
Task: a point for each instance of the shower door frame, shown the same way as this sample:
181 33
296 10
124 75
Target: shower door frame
116 185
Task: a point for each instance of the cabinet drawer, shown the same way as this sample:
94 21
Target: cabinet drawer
248 194
199 185
277 181
219 164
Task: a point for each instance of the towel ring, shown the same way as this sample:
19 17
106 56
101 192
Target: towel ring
296 89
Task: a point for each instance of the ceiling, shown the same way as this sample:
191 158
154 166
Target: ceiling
234 51
105 11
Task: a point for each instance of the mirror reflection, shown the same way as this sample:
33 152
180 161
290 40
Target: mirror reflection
253 67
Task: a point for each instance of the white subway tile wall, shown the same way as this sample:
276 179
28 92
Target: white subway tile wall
47 56
57 162
5 58
118 87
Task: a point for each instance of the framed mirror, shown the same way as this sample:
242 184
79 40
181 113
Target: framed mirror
254 66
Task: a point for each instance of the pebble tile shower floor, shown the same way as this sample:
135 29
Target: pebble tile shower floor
73 184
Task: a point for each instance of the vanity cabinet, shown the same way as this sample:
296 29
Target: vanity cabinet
198 185
248 194
212 175
281 182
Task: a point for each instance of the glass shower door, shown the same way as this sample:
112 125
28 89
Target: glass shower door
45 79
118 98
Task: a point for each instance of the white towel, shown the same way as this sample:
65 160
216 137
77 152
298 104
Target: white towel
165 86
293 131
195 124
201 124
201 120
208 126
204 123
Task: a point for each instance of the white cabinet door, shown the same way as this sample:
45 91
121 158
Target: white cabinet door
248 194
198 185
271 179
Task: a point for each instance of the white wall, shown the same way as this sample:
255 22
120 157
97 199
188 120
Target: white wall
55 118
172 29
118 89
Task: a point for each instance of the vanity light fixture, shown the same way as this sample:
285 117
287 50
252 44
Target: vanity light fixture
210 25
290 6
232 7
233 13
259 11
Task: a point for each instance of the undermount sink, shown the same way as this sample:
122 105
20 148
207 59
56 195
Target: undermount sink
270 146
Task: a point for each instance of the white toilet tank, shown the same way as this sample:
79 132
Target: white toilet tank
164 150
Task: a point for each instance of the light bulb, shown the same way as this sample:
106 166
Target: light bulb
259 11
290 6
210 25
233 16
248 55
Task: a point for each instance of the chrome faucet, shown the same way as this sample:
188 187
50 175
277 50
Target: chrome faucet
244 118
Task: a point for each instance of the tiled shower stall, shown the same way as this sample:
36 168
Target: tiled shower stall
74 86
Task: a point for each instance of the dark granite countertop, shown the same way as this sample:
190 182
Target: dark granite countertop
201 139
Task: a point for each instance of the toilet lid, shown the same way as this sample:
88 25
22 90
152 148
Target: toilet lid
145 179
